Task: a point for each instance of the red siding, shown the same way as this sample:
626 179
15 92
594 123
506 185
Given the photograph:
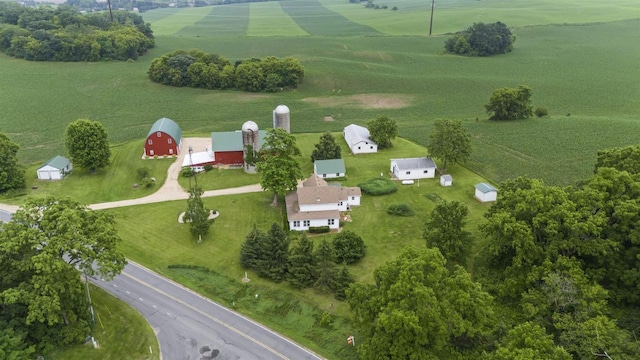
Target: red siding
161 145
229 157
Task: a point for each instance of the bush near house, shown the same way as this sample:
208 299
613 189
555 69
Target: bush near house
378 186
400 210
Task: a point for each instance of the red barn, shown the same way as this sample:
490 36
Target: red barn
228 148
165 138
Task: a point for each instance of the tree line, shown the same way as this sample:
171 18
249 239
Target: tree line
64 34
198 69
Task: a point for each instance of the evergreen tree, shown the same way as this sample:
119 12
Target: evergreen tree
348 247
274 252
325 259
251 251
197 215
326 149
302 264
341 281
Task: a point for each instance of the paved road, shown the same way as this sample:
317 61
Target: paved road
185 321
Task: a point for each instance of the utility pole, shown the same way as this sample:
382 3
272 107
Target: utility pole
433 3
111 13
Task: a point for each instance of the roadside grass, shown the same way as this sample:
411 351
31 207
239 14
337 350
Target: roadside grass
153 237
120 330
110 184
268 19
412 17
588 71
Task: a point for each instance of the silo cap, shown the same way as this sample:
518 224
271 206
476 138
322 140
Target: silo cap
249 126
282 109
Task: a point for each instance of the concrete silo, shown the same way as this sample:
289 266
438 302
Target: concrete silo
281 118
250 137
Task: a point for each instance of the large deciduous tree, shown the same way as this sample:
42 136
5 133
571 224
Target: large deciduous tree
11 174
279 170
510 103
197 215
529 341
382 130
444 229
417 309
622 159
450 142
326 149
481 40
43 251
88 145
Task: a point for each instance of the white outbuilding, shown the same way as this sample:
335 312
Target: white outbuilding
55 169
486 192
329 169
413 168
359 140
446 180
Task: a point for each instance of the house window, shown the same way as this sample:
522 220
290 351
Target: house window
408 172
158 134
358 147
150 142
169 140
371 147
296 223
426 171
340 203
338 174
324 175
353 198
332 221
306 223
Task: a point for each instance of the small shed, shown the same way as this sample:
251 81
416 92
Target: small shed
446 180
413 168
55 169
486 192
164 138
329 169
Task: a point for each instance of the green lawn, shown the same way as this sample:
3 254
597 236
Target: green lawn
121 332
110 184
268 19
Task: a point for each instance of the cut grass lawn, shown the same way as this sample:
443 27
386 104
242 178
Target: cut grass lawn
123 334
110 184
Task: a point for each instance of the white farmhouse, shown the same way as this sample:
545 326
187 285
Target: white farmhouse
329 169
359 140
486 192
413 168
55 168
315 203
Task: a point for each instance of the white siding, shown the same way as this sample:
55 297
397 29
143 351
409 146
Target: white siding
486 197
364 147
331 176
412 174
49 173
304 225
318 207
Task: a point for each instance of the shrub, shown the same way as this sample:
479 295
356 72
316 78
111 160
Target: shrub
378 186
187 172
400 210
319 229
348 247
541 111
208 167
143 172
147 183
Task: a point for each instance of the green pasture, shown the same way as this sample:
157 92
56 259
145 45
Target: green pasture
120 330
228 20
110 184
172 23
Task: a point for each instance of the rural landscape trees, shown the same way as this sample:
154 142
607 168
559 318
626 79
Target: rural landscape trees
197 215
44 249
196 68
450 142
382 130
64 34
326 149
510 103
11 174
481 40
88 145
279 170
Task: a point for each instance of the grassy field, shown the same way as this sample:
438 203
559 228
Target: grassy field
120 330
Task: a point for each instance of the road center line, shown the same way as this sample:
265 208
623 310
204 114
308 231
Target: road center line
206 315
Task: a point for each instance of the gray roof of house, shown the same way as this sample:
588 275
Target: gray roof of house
354 134
167 126
58 162
415 163
485 188
333 166
232 140
294 213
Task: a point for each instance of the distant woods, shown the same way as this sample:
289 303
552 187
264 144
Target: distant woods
64 34
195 68
481 39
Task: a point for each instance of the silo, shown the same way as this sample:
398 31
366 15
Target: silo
281 118
250 137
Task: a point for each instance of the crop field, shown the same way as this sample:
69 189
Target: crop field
584 73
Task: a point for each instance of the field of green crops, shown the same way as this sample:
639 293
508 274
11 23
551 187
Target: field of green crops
579 57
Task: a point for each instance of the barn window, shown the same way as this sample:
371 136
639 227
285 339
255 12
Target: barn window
338 174
371 147
408 172
296 224
170 151
332 221
158 134
358 147
324 175
150 142
306 223
169 141
151 152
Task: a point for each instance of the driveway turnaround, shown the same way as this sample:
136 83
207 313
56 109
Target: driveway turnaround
187 323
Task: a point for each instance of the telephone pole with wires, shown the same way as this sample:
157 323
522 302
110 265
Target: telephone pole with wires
433 4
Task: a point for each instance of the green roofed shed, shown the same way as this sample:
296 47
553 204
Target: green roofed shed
328 169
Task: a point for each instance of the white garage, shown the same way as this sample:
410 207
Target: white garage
55 168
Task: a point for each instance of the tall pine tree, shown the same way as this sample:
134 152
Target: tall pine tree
302 264
325 259
274 254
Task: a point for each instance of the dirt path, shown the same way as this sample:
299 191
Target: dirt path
171 189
